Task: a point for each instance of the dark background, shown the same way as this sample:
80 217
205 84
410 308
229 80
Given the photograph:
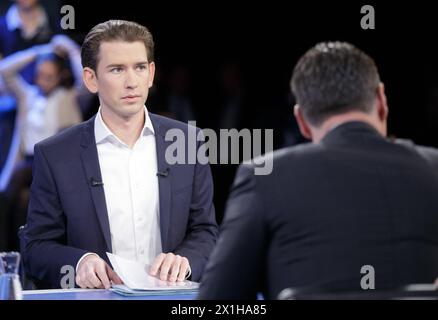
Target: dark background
267 38
264 40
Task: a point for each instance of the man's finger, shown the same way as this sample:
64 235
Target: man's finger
87 283
157 264
183 269
166 265
84 282
103 277
174 271
94 281
113 276
80 282
92 278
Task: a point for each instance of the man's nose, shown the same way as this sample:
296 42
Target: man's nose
131 80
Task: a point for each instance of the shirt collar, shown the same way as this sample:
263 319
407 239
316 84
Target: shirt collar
102 132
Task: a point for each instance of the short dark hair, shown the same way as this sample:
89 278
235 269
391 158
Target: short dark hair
332 78
114 30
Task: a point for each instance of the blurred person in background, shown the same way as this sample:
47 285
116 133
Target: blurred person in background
25 24
44 109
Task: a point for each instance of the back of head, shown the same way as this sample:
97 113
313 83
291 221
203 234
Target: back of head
114 30
334 78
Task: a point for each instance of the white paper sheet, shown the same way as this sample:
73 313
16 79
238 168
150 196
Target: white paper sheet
136 277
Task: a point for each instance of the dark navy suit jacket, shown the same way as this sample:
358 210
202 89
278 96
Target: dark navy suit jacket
68 216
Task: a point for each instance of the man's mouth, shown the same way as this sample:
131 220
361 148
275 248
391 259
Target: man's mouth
131 97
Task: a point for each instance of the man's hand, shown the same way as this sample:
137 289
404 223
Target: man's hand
62 44
93 272
170 267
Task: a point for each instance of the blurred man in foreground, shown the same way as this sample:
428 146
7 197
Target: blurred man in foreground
349 201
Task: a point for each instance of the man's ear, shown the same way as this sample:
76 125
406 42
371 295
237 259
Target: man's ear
90 79
302 123
382 105
151 74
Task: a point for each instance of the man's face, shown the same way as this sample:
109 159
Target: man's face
124 76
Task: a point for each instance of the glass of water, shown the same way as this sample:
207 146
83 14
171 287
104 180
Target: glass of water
10 285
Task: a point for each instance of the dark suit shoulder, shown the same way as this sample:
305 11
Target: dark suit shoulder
298 151
272 164
430 154
66 138
285 154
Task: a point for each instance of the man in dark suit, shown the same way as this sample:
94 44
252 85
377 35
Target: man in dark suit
350 211
106 185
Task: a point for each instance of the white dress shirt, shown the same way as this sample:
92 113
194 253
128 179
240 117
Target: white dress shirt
130 183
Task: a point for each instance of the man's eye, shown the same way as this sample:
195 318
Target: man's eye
116 70
141 67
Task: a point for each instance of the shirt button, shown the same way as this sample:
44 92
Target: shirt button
141 251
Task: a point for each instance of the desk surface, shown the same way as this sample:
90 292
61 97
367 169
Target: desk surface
97 294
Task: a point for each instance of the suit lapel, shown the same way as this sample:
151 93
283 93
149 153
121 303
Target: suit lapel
90 162
164 181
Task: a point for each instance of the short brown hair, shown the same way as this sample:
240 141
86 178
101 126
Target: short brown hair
333 78
114 30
